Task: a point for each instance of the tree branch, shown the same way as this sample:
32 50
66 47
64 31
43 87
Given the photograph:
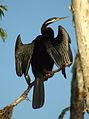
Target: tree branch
25 93
6 112
63 112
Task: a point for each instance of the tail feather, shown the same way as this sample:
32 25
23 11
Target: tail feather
38 94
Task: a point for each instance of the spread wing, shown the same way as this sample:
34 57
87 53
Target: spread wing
23 55
59 49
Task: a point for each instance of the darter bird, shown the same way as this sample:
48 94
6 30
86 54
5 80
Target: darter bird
44 51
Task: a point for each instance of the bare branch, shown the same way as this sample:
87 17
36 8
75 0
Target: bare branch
63 112
25 93
6 112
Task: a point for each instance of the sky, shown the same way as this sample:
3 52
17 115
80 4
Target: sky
25 17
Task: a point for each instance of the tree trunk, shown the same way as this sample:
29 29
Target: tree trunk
80 10
77 91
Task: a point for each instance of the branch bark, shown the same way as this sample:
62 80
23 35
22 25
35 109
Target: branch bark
80 85
6 112
77 91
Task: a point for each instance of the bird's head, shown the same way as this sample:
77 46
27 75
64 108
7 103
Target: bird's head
49 21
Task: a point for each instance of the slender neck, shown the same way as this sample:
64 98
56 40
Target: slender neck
44 26
47 32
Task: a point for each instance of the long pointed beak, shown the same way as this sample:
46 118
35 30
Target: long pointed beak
55 19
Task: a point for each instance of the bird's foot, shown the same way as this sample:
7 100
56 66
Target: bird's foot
49 74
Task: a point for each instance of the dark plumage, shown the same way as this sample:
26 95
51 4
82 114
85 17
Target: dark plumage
42 53
41 64
23 55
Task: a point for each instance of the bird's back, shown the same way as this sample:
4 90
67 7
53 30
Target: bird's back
41 61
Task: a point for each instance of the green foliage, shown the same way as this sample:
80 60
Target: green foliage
2 9
3 33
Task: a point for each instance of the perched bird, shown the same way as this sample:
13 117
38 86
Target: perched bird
42 53
47 51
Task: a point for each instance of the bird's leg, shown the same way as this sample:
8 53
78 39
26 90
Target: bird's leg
28 80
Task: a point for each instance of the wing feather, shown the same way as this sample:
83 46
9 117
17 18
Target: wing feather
23 55
59 49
